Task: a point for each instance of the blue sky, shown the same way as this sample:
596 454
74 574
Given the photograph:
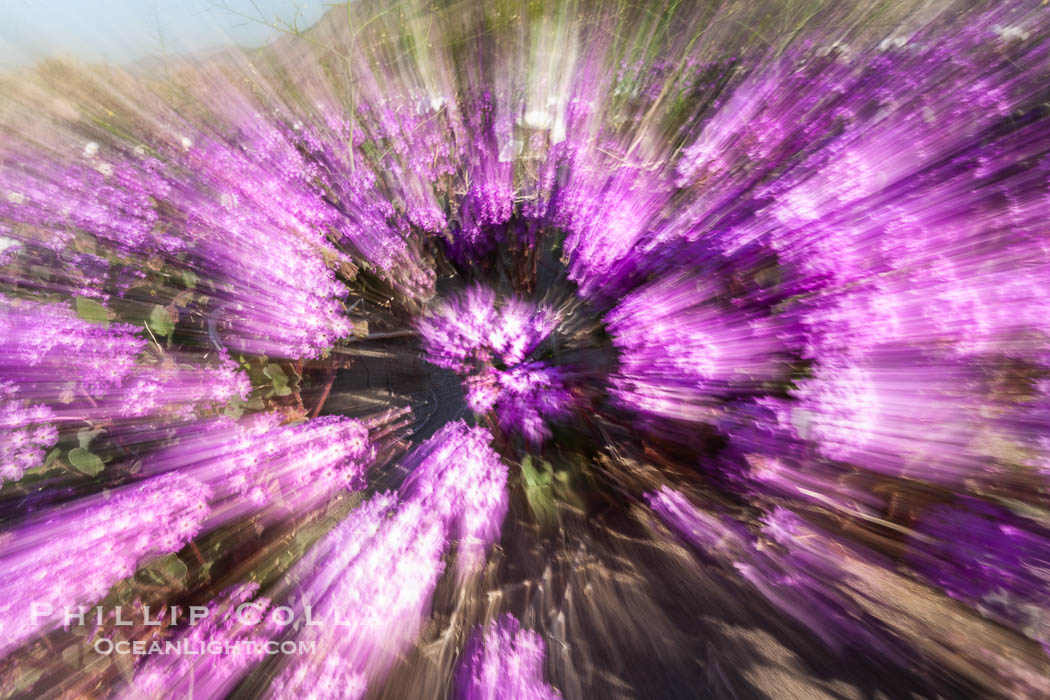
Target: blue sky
120 31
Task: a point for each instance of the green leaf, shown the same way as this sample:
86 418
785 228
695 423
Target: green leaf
279 379
538 490
527 472
85 462
160 321
541 502
86 435
169 568
535 478
26 679
275 373
71 655
91 310
189 278
52 456
235 409
564 489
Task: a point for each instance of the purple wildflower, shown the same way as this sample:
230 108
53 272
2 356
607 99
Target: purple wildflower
72 556
504 661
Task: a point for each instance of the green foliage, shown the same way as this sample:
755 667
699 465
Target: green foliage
52 456
278 378
25 679
538 483
167 571
84 461
86 435
237 406
91 310
160 321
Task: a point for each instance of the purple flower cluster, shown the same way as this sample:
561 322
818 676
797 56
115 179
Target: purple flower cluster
990 558
57 370
236 619
459 479
490 342
28 432
72 555
46 344
476 329
523 398
372 577
255 462
372 586
795 263
866 412
793 565
681 352
251 197
504 661
103 194
95 368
